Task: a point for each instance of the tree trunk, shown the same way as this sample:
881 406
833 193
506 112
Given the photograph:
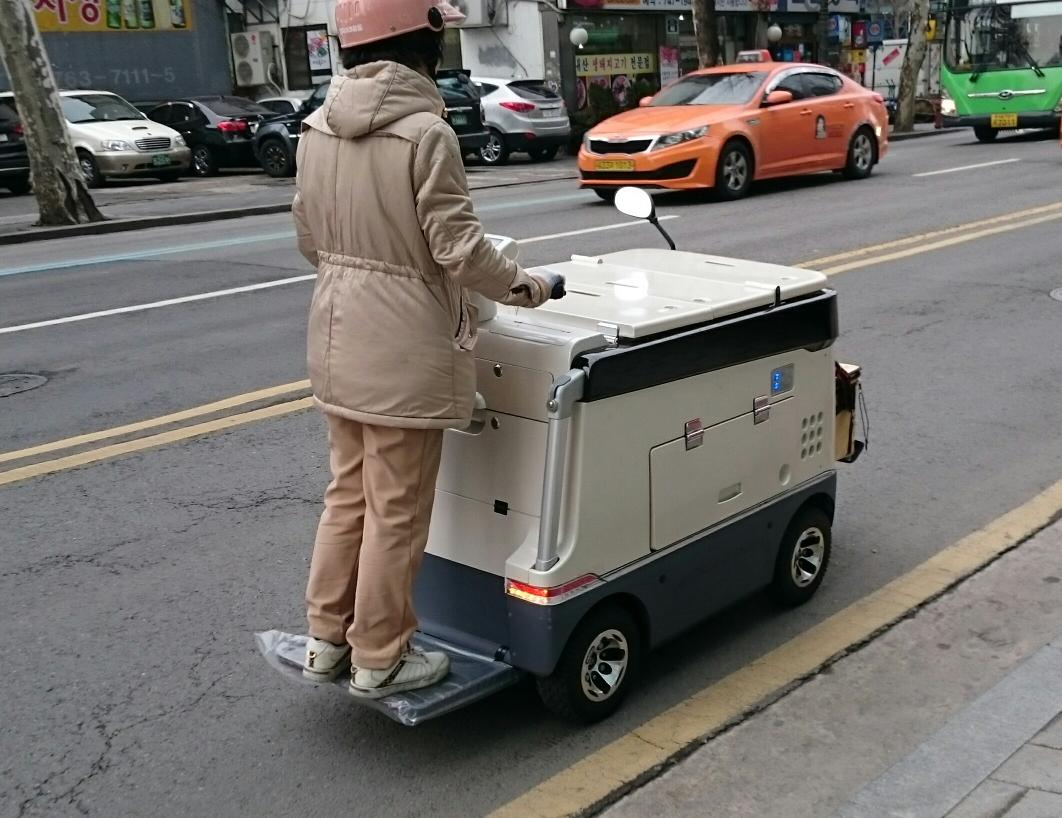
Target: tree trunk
706 29
912 65
58 183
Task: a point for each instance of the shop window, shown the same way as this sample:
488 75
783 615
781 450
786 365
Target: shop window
297 58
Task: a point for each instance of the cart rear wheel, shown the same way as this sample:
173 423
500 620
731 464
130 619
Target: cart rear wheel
803 557
597 668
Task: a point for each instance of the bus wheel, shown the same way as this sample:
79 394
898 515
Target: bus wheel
985 134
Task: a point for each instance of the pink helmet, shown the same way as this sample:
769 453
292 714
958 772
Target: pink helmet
360 22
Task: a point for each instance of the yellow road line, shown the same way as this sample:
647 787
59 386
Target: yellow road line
938 245
933 234
153 423
626 760
153 441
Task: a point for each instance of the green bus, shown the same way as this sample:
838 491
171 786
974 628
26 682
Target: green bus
1002 65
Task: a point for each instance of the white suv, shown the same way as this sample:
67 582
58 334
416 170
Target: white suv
112 138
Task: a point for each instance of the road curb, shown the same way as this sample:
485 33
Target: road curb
147 222
126 225
900 137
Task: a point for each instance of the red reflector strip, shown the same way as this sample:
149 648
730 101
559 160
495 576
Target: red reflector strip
545 596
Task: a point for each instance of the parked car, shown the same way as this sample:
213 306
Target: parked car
464 113
219 130
524 116
14 161
114 139
725 127
277 139
282 106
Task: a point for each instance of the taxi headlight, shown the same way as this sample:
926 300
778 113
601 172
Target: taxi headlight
672 139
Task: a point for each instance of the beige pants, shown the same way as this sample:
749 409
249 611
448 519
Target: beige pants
371 538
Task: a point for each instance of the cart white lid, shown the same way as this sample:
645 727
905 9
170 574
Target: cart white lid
644 292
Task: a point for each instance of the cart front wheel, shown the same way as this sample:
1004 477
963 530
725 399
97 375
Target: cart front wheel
802 557
597 668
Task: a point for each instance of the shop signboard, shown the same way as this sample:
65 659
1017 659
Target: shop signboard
610 65
836 6
104 16
673 5
669 65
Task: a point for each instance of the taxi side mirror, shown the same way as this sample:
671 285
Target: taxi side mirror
777 98
645 102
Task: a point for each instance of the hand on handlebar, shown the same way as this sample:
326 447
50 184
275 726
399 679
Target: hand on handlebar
556 285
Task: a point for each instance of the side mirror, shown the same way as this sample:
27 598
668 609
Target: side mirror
635 202
645 102
777 98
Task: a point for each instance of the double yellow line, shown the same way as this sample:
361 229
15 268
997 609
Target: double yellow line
295 396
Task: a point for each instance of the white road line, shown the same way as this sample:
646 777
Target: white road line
966 167
569 233
265 285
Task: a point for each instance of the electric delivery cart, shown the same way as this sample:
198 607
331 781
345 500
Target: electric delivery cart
645 451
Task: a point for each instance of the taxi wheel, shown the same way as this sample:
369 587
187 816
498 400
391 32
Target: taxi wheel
862 155
733 172
606 194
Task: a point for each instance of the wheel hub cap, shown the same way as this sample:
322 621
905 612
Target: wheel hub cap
605 665
863 152
807 557
735 171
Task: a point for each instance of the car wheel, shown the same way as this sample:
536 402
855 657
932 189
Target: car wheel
803 557
172 176
89 169
733 172
597 668
276 159
861 155
543 154
606 194
203 161
985 133
495 152
19 186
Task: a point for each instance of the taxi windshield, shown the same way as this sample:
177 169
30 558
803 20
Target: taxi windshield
712 89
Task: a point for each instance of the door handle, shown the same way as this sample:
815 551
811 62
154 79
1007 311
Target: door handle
806 112
849 105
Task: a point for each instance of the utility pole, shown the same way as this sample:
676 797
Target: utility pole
58 183
706 29
824 32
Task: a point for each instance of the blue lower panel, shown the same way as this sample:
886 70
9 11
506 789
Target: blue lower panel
461 605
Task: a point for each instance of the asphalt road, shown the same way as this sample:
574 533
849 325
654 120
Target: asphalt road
129 589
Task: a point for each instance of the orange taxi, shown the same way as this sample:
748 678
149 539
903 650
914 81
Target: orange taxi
726 127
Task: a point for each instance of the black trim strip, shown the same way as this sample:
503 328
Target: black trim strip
810 323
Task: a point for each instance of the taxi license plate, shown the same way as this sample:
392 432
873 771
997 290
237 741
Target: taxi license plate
614 164
160 160
1004 121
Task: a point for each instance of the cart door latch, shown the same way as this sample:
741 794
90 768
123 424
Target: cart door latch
694 433
761 409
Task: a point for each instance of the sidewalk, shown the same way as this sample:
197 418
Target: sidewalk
953 713
139 204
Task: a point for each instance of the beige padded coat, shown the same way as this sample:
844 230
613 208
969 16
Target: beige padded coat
382 210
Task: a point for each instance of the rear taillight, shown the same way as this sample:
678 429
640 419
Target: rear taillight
18 130
549 596
232 126
519 107
878 98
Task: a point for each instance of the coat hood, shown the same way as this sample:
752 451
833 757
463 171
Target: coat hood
371 97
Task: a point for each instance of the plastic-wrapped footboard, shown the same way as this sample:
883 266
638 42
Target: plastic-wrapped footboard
472 677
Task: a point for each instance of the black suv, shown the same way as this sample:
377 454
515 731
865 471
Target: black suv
277 139
14 161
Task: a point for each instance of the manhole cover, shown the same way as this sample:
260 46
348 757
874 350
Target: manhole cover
15 382
1057 294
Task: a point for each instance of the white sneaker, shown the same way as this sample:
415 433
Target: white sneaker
414 669
324 661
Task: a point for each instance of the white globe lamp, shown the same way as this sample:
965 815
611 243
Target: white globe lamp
579 37
774 33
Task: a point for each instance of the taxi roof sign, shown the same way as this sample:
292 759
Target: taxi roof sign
759 55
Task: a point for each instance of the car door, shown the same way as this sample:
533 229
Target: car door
186 119
832 111
785 131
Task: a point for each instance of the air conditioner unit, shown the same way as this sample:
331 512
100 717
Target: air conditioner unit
483 13
252 55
